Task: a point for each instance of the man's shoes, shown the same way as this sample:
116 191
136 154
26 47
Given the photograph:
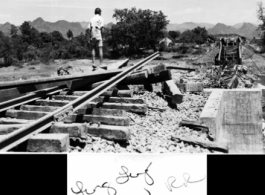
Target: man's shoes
103 66
95 68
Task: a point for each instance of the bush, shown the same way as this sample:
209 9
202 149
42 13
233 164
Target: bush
199 52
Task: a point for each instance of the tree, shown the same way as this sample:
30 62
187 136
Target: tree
197 35
187 36
201 35
13 30
69 34
25 29
57 36
6 47
137 29
174 34
261 17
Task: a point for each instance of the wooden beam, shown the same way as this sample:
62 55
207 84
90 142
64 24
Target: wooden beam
109 120
205 144
27 115
137 108
9 128
102 112
110 132
171 89
39 108
188 68
14 121
195 125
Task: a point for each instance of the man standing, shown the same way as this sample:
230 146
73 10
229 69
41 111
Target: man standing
96 26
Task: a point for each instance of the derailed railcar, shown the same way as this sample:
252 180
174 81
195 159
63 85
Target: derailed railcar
230 51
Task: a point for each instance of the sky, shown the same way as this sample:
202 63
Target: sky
228 12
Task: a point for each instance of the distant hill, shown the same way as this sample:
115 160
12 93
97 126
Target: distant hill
62 26
245 29
238 25
84 24
188 26
5 28
248 30
222 29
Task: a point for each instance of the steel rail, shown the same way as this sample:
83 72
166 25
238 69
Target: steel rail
13 139
32 96
10 84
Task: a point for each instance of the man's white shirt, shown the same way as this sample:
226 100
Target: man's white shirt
96 23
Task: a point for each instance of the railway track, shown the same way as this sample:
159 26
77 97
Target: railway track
47 117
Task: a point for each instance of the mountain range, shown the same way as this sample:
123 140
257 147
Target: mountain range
62 26
245 29
248 30
188 26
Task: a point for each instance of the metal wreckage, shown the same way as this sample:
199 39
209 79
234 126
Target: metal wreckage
228 70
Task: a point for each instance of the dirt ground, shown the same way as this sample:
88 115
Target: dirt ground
27 71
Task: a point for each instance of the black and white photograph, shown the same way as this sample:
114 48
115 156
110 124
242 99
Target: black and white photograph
140 77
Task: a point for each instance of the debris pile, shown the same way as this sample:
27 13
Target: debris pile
63 70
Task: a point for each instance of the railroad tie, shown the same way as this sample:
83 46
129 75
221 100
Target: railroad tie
109 120
49 142
101 99
80 129
135 108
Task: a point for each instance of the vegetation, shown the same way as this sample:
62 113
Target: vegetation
198 35
135 30
33 45
261 17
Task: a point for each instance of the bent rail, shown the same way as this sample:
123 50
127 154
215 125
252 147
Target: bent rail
22 134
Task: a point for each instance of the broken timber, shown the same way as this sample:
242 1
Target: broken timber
171 89
13 139
194 125
205 144
188 68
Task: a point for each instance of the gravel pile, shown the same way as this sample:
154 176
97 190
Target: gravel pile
153 132
208 57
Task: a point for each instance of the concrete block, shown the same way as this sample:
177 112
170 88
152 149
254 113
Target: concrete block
242 121
208 91
48 143
235 117
194 87
212 113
